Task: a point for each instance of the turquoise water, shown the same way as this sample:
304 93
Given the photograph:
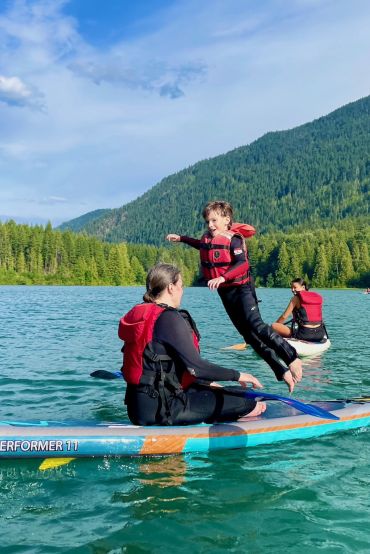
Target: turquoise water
307 497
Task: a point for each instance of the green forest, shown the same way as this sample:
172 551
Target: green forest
328 257
317 175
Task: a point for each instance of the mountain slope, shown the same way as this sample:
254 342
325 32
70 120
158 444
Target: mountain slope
315 174
79 223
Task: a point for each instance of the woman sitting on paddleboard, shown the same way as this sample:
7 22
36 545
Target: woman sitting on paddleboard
162 365
306 309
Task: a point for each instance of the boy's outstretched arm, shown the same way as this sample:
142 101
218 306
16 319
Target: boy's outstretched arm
195 243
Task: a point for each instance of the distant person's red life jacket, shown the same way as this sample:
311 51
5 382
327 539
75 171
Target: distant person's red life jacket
310 311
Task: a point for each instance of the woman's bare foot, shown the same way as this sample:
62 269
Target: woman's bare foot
258 410
296 370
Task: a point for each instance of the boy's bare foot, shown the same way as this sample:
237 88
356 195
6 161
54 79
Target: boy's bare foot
258 410
296 370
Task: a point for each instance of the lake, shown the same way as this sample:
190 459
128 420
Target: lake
301 496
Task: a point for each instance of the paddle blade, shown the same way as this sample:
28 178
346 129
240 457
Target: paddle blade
312 410
240 346
50 463
108 375
297 404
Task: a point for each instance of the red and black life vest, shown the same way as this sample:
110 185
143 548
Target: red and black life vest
310 311
216 259
141 365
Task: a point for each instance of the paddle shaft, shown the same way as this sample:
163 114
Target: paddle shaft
248 393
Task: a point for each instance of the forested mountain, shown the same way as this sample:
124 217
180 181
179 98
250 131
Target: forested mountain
79 223
313 175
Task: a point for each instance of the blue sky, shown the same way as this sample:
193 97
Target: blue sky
99 100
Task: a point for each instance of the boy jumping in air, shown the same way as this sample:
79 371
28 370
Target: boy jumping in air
225 266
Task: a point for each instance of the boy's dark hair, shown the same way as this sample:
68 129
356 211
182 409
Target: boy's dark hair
221 207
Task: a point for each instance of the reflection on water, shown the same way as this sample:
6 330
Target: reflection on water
163 472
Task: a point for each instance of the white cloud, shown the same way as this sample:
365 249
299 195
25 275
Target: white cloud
14 92
52 200
152 75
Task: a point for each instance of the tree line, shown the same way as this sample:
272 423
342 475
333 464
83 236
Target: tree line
332 257
44 256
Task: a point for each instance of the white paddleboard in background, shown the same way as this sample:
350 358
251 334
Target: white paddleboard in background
307 349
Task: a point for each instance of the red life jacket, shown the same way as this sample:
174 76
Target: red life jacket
310 311
243 229
141 365
216 259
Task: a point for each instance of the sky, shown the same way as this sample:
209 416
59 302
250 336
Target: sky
99 100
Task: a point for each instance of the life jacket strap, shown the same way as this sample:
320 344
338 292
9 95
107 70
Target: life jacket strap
213 246
153 357
209 265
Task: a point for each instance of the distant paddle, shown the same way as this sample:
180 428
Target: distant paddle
107 375
297 404
240 346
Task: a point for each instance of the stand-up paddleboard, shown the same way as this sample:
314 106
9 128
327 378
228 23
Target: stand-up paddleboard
304 348
280 422
307 349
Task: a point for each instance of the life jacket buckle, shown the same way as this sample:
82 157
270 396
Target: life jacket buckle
152 392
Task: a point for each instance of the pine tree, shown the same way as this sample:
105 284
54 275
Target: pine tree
115 267
283 273
20 266
139 274
321 273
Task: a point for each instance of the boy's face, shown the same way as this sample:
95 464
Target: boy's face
217 223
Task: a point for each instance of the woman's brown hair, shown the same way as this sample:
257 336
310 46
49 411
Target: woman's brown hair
158 279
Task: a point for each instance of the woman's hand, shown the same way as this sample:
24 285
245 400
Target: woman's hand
247 378
173 238
213 284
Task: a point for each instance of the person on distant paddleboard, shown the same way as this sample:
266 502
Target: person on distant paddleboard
306 309
168 383
226 268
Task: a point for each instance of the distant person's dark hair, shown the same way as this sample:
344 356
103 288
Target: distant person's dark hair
301 282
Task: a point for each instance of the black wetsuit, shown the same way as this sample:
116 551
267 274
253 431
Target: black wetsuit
196 404
310 334
241 305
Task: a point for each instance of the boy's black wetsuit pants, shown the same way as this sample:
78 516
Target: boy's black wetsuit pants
241 305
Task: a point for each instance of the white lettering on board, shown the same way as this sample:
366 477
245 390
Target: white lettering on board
46 445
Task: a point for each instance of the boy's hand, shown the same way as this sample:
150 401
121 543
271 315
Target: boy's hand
173 238
213 284
296 370
288 378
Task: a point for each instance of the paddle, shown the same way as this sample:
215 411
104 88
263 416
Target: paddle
107 375
297 404
239 346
